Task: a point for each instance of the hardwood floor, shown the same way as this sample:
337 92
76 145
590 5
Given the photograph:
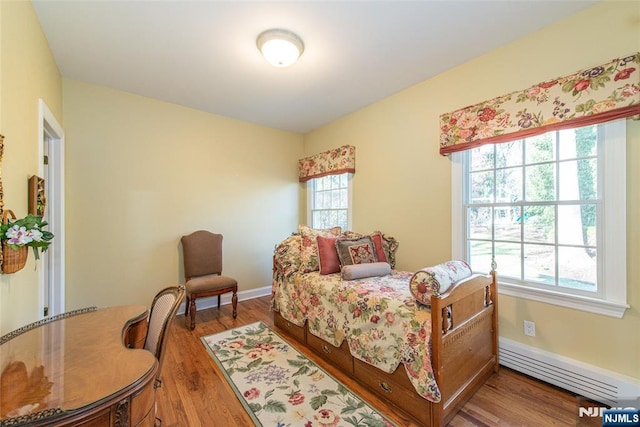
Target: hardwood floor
194 393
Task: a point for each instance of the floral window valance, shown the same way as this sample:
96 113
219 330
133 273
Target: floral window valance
595 95
332 162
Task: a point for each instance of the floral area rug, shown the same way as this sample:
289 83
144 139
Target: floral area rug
280 387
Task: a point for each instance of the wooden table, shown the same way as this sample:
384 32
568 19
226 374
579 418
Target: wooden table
77 369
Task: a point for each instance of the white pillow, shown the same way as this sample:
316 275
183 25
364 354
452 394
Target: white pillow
437 280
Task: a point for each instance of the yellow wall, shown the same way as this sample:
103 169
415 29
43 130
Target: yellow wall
28 72
402 185
141 173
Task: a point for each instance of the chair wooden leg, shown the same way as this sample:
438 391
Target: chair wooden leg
219 298
234 302
192 312
186 306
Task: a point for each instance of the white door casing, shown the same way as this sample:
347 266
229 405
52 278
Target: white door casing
51 273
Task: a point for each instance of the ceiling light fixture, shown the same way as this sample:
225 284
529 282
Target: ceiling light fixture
281 48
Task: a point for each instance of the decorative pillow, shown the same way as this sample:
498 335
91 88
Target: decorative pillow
436 280
389 245
376 236
309 246
352 235
360 271
287 255
328 255
358 251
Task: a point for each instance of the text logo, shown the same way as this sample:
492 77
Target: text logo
621 417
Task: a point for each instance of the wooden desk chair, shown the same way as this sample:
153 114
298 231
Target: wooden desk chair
202 251
163 309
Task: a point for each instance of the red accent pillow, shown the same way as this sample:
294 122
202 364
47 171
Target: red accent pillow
377 242
328 255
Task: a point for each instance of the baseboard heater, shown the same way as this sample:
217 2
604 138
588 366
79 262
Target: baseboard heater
607 387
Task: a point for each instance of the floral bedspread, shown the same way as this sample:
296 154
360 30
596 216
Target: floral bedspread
378 316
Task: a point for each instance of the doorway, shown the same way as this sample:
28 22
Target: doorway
51 168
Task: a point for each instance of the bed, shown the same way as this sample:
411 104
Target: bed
424 341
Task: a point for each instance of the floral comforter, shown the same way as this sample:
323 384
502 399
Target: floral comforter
378 316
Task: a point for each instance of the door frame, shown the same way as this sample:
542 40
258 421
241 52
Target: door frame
48 124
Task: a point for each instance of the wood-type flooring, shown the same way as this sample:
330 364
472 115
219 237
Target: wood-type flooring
195 394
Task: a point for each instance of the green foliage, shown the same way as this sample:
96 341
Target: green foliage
275 406
255 407
352 406
318 401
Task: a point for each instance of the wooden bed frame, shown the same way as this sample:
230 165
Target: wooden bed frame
464 352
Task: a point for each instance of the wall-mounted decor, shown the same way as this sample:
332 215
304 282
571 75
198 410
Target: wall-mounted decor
17 235
37 200
14 257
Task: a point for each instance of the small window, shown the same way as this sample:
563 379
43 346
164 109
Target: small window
329 201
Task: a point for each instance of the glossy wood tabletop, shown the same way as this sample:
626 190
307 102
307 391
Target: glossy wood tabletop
72 363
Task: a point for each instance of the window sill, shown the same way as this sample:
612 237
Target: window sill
591 305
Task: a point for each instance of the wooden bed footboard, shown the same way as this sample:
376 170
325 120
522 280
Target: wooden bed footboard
464 352
464 341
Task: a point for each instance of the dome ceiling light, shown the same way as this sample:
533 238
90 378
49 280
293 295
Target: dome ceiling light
281 48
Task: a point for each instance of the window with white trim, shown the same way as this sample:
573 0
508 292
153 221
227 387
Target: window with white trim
551 211
329 201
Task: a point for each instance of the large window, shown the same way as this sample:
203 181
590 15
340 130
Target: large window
551 211
329 201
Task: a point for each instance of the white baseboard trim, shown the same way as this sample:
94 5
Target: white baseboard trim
211 302
592 382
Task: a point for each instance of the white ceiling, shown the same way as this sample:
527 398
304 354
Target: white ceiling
202 54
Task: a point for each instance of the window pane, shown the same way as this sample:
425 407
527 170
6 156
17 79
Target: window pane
342 219
508 259
482 157
541 148
540 264
578 179
334 196
480 256
319 200
577 268
480 223
319 220
571 230
587 141
540 183
568 177
539 224
333 217
509 154
481 187
508 185
507 226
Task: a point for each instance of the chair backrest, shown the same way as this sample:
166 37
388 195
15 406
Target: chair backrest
163 309
202 253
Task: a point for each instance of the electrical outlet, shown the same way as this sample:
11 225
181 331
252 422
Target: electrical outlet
529 328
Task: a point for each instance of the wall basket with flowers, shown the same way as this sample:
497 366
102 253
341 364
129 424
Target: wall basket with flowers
19 234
